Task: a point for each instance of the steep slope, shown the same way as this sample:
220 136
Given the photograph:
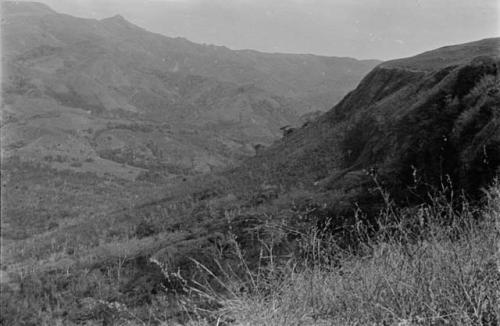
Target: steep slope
411 122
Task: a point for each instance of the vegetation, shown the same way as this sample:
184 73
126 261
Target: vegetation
429 265
433 264
374 213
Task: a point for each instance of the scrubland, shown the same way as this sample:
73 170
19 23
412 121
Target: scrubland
432 264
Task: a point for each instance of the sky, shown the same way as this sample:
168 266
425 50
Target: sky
363 29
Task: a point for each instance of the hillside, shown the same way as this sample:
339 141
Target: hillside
287 75
417 119
90 102
116 72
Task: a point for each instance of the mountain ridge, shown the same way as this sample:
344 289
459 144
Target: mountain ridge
397 122
449 55
214 53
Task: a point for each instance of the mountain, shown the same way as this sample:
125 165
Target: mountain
101 115
202 106
411 124
92 124
412 128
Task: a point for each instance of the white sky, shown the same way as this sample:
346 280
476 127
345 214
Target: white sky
379 29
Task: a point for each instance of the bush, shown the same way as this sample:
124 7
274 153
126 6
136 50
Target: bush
145 229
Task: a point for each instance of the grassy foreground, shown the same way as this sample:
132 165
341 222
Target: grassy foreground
436 264
433 264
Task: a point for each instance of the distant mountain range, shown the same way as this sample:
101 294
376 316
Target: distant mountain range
124 96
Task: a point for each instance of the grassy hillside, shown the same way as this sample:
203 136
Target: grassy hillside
432 264
404 125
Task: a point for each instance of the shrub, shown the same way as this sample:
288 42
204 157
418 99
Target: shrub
145 229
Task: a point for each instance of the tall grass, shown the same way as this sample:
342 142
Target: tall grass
435 264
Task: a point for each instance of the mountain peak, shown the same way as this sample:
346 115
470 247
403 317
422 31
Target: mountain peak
116 19
25 7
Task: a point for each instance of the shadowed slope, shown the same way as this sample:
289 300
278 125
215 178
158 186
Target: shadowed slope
428 116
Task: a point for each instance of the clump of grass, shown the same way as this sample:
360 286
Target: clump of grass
447 273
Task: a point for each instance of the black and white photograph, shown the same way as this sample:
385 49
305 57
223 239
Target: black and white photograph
250 163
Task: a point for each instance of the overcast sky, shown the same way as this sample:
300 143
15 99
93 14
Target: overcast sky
378 29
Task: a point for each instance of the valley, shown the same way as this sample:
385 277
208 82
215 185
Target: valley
149 180
104 103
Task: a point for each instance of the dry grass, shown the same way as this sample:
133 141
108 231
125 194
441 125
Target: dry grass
447 273
434 264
